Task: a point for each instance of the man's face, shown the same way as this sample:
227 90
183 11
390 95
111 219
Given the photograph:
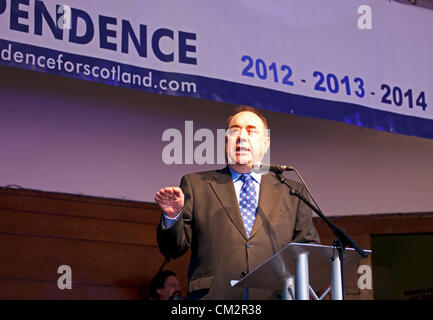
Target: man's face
171 286
247 140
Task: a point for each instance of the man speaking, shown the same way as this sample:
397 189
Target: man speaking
233 219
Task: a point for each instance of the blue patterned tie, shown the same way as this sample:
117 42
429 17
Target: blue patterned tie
248 202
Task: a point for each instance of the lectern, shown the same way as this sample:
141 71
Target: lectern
300 269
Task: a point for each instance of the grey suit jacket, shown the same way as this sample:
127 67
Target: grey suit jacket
211 225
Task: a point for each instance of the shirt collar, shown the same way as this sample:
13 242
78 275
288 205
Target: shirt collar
236 175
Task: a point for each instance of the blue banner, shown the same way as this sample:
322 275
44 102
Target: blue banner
339 60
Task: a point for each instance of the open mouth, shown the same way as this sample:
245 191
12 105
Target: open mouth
242 149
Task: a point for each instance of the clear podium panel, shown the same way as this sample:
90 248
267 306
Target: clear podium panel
272 273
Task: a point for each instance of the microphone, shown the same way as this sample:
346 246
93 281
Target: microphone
277 168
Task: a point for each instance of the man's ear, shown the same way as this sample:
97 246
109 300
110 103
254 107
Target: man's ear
159 291
267 143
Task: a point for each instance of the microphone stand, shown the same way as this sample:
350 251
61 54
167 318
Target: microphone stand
342 238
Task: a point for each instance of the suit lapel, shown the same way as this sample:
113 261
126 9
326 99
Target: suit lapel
267 200
224 189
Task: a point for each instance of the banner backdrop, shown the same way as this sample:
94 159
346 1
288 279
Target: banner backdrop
367 63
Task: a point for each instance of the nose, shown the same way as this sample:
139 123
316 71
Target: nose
243 135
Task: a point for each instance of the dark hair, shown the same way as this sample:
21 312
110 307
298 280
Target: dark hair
158 282
240 109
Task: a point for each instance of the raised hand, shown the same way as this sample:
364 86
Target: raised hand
170 200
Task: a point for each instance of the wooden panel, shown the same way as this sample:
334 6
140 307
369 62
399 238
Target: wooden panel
380 224
25 289
363 240
60 226
92 262
111 244
40 202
